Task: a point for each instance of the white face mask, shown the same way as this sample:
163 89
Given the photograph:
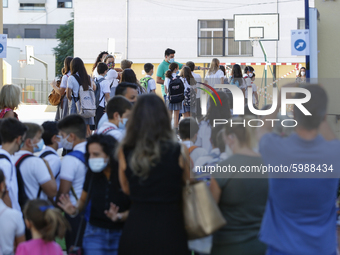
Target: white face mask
59 143
97 164
303 73
66 144
250 75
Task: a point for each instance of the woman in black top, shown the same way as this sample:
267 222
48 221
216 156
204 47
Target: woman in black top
152 170
109 205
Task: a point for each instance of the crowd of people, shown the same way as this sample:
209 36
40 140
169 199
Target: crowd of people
127 154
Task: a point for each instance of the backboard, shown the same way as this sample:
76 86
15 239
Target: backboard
263 27
29 53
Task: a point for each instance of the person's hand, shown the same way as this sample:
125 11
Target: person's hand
53 84
66 204
112 213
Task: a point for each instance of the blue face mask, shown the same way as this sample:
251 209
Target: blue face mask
171 60
122 125
40 146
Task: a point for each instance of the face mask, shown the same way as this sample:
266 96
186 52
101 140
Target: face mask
111 65
171 60
250 75
40 146
59 143
122 125
66 144
97 164
303 73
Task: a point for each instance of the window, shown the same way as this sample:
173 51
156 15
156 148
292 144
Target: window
5 3
216 38
64 3
32 7
32 33
301 23
5 31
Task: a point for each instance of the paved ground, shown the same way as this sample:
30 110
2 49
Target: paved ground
36 113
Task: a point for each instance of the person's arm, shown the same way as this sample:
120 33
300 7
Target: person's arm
9 114
119 70
215 190
184 163
64 187
69 94
7 199
18 240
124 183
222 80
55 88
256 97
107 97
114 215
49 187
66 205
160 80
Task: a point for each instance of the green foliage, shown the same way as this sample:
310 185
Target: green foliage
65 46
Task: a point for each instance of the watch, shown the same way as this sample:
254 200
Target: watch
119 217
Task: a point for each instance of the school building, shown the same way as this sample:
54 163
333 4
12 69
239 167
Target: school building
198 30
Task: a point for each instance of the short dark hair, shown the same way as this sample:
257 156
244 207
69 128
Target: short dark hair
188 128
73 124
11 129
32 130
117 104
191 65
50 130
169 51
125 64
317 106
249 68
101 68
148 67
121 88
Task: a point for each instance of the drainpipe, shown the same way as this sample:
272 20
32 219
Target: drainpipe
127 29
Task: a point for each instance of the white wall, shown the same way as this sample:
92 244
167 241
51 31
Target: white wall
43 49
13 55
52 15
155 26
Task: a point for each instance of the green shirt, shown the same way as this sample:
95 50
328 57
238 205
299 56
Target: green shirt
161 70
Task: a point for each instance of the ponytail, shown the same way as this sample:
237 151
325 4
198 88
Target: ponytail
172 68
47 220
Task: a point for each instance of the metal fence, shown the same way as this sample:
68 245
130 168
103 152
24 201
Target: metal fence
33 91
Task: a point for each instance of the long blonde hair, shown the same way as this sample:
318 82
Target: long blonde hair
10 96
214 66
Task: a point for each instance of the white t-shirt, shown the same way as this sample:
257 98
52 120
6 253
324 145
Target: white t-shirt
111 77
104 88
197 78
151 84
73 170
54 163
63 83
34 173
11 179
247 82
215 78
111 129
196 153
73 84
186 84
95 73
12 226
254 90
203 136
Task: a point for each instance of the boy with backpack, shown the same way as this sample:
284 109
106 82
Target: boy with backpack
102 91
148 83
12 134
118 110
72 130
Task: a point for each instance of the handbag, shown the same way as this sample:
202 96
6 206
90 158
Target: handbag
202 216
54 98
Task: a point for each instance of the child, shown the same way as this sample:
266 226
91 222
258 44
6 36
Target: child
118 109
189 88
255 95
174 106
148 83
45 223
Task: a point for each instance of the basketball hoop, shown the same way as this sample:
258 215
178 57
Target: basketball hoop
255 41
22 63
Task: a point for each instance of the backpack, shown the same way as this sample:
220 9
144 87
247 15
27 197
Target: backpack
190 98
144 82
54 98
176 90
86 101
98 91
232 82
23 198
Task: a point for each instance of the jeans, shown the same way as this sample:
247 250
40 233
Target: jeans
164 99
101 241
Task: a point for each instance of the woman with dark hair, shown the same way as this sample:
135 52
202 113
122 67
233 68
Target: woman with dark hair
79 77
109 205
236 76
62 109
215 111
128 75
102 55
301 76
189 86
152 169
222 67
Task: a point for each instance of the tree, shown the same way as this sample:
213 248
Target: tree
65 46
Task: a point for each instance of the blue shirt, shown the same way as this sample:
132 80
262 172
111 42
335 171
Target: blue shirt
300 216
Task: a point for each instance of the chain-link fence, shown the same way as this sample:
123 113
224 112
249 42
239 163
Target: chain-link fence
33 91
